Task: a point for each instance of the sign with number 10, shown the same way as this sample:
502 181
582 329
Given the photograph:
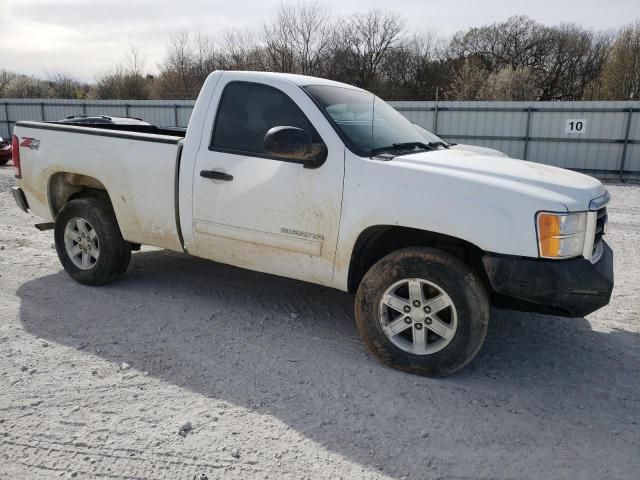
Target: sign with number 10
576 125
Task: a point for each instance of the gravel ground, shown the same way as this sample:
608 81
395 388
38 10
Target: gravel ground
271 375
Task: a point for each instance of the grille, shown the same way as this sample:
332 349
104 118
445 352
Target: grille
601 222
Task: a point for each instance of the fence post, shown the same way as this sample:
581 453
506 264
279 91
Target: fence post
623 158
175 115
435 118
42 111
527 133
126 109
84 107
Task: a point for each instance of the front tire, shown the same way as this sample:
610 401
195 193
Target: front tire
423 311
89 243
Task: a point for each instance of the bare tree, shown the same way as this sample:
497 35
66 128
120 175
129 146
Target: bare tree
240 51
518 41
574 59
369 37
408 68
65 85
22 86
509 84
6 77
137 83
620 77
125 81
175 76
312 38
189 60
279 40
468 81
561 60
205 58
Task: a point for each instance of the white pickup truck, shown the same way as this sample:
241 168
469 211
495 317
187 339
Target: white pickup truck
324 182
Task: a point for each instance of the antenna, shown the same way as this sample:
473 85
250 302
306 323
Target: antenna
373 109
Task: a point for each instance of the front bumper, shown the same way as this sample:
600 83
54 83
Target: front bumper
571 288
21 200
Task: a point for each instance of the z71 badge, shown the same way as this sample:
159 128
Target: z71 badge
32 143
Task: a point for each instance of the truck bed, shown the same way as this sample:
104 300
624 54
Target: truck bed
137 166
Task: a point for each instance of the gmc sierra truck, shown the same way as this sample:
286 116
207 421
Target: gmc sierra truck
326 183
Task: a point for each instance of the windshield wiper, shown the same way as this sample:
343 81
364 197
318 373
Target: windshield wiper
405 146
438 144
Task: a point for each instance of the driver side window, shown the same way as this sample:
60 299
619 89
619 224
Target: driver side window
247 111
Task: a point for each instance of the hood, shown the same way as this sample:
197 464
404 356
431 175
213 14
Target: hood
486 151
573 190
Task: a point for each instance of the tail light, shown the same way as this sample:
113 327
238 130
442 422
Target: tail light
15 155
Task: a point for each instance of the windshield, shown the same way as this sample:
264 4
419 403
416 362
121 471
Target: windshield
366 123
429 136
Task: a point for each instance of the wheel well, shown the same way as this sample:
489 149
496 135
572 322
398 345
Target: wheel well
379 241
65 186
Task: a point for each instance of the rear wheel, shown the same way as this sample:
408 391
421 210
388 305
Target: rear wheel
89 243
422 310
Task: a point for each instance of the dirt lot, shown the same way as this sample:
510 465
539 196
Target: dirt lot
276 383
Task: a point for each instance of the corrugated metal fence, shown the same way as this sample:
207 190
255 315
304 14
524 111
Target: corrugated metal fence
158 112
595 137
602 138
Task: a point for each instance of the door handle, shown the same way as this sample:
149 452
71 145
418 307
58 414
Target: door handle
213 174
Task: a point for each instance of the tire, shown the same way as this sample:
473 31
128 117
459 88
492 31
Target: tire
431 274
106 243
4 161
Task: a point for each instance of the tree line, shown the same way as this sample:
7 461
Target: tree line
516 59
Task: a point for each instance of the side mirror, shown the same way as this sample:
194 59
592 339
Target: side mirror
294 143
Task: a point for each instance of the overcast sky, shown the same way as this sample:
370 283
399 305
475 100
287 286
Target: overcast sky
87 37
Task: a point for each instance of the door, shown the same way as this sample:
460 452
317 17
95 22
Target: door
258 210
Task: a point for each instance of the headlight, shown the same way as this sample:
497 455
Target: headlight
561 235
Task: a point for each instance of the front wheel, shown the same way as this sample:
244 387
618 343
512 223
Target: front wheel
89 243
423 311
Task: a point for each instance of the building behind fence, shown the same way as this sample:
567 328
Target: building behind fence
601 138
